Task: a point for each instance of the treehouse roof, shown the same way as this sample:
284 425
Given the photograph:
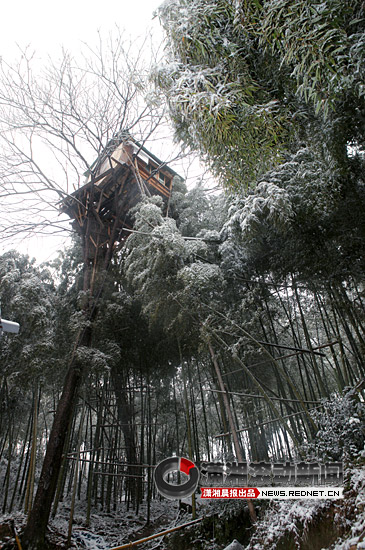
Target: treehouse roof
114 184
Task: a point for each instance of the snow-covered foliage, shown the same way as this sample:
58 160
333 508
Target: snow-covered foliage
28 297
268 205
165 268
340 437
215 99
94 360
285 517
341 429
196 214
201 282
295 218
356 525
243 79
333 67
335 525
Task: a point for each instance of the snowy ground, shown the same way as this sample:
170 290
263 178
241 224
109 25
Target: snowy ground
119 527
106 530
296 518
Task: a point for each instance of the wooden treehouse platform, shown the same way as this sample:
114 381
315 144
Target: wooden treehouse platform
117 181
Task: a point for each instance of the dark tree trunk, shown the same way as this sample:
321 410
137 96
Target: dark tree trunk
34 533
96 262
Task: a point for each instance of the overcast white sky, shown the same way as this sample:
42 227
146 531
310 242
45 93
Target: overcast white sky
46 25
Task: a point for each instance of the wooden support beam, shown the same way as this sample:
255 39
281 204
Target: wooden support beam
267 422
292 348
262 397
281 357
156 535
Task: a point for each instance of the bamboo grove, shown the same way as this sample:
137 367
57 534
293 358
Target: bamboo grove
230 325
193 360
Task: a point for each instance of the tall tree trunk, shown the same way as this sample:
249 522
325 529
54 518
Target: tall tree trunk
95 269
35 530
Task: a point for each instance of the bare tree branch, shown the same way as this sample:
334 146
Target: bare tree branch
56 121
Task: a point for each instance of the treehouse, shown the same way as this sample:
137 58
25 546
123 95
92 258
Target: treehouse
100 209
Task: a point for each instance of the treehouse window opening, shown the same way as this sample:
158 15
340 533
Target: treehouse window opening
162 178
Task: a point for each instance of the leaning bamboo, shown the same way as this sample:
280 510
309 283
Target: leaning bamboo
275 362
237 446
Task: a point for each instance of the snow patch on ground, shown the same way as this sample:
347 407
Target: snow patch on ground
87 539
110 529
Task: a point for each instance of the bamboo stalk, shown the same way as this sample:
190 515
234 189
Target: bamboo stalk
301 350
232 426
31 474
188 425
